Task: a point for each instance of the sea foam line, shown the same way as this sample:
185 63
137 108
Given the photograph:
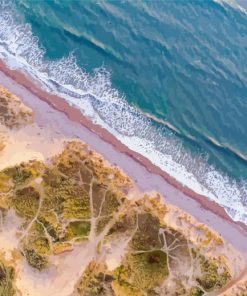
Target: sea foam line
97 99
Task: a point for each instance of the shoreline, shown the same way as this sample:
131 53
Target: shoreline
75 115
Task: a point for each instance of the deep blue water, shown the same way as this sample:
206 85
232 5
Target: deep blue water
183 62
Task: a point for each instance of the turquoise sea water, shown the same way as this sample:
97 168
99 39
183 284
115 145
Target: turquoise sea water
168 78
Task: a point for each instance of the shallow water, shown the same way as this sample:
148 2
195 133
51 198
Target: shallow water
168 78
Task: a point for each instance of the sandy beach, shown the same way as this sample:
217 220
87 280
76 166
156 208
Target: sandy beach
65 120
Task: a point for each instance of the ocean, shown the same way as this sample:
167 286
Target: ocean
167 78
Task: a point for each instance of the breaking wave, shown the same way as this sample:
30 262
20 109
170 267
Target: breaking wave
94 95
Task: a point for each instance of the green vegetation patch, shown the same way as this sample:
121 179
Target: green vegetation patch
101 223
195 291
26 202
122 286
142 272
98 285
24 172
52 225
78 229
6 280
37 240
111 203
53 178
77 204
125 223
95 281
211 278
19 174
67 199
5 183
147 236
53 199
148 269
35 260
69 163
41 244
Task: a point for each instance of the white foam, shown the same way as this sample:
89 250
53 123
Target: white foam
232 3
96 98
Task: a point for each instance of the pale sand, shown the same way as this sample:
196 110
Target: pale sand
8 239
59 280
28 143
